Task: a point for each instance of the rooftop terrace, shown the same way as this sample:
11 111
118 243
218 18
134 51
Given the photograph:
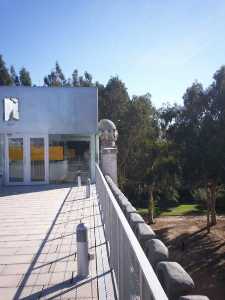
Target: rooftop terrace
38 244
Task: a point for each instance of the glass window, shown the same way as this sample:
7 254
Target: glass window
37 159
16 170
68 157
1 155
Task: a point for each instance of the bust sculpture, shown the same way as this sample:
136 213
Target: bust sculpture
108 133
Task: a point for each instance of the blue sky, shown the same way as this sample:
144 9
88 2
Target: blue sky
158 46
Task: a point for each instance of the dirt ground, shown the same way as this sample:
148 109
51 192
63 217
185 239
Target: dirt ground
202 255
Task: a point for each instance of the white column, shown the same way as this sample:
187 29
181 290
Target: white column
109 162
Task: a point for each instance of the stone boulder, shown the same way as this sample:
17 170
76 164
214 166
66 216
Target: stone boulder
123 201
156 252
144 233
129 210
135 219
174 279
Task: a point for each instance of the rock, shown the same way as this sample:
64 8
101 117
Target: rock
174 279
123 201
135 219
193 297
156 252
115 190
129 210
124 204
144 233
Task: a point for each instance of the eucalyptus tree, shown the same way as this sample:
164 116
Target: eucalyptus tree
25 78
14 76
197 130
5 78
56 77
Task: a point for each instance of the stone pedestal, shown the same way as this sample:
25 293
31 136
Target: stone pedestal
108 136
109 162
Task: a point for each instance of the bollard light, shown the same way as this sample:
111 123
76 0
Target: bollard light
82 250
78 178
88 188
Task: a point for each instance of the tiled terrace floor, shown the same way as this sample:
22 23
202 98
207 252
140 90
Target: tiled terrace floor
38 244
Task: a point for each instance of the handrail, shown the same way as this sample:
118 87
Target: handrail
135 276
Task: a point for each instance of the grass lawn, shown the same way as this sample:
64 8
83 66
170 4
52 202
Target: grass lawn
182 209
179 210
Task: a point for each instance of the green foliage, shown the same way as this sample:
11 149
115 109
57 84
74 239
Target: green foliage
167 151
15 78
182 210
56 77
178 210
25 77
5 78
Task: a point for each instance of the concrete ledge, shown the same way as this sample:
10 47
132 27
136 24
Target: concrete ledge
144 233
156 252
193 297
174 279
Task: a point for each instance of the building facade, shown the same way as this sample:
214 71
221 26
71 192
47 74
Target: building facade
47 135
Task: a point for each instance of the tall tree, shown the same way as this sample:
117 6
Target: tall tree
75 78
115 101
15 78
56 77
25 77
5 78
87 79
197 130
113 104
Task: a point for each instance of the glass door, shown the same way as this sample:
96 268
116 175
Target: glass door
27 160
38 159
16 158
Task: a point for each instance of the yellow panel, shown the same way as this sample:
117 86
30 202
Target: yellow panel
37 153
15 153
56 153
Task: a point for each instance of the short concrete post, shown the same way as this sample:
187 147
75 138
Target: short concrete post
82 251
78 179
88 188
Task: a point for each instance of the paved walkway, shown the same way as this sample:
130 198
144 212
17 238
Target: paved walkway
38 244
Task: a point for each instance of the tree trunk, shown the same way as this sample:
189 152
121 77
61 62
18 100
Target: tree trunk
151 206
213 204
208 209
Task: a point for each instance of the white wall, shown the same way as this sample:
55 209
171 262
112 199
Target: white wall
45 110
52 110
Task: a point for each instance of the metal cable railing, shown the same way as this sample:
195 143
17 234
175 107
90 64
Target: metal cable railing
134 275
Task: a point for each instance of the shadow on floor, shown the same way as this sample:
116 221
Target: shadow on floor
31 267
26 189
201 254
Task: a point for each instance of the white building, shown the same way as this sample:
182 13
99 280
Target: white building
47 135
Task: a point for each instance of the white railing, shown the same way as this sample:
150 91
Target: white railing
134 275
